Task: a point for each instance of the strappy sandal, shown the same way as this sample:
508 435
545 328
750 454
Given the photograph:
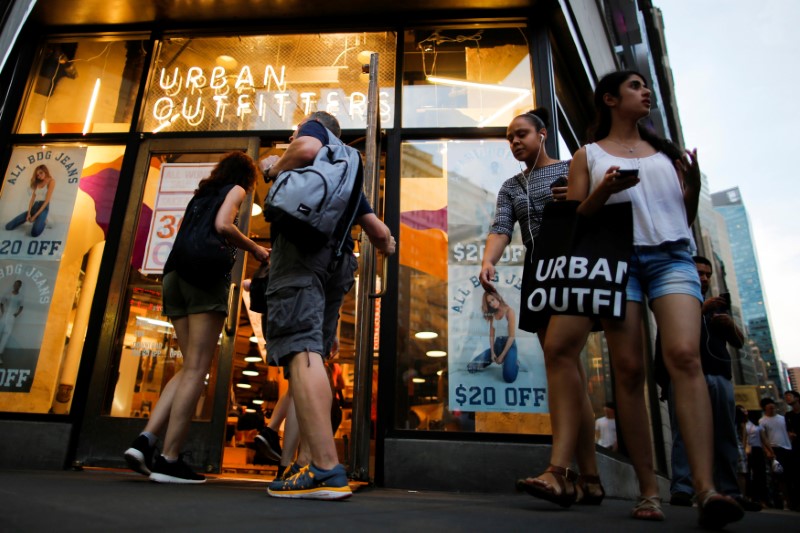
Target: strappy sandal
717 510
590 490
648 508
564 477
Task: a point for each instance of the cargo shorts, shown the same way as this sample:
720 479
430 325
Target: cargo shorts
303 300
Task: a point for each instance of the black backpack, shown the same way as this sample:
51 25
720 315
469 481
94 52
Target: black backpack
200 255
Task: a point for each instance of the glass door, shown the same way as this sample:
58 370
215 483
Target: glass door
138 353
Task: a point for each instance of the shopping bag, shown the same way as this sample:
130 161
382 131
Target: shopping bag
579 265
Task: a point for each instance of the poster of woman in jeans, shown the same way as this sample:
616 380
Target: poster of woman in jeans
42 187
493 366
37 201
502 349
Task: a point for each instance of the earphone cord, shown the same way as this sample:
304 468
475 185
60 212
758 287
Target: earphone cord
528 193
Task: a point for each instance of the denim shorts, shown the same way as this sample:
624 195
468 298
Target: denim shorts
657 271
303 300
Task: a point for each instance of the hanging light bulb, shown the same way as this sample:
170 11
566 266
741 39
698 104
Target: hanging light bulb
253 355
250 370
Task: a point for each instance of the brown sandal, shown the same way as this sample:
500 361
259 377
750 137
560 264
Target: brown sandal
590 490
538 488
717 510
648 508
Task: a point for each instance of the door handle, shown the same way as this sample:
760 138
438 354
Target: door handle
384 275
229 325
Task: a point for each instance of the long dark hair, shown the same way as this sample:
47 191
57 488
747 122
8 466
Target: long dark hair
610 84
237 168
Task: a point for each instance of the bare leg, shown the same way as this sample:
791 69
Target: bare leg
291 434
625 345
678 318
585 454
312 396
566 335
279 414
159 417
203 334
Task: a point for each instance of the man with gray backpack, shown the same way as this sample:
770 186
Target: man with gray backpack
312 267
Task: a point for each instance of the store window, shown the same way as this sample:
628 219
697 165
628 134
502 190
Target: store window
85 85
266 82
448 194
470 77
54 214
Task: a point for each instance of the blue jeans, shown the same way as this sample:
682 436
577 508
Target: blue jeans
38 224
510 366
726 447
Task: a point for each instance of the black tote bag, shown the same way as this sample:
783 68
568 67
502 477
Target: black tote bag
579 264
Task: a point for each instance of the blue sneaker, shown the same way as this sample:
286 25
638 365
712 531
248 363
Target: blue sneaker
311 483
285 472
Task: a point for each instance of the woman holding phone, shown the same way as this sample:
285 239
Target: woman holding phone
522 199
664 195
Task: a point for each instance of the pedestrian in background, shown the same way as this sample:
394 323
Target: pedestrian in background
605 427
779 452
197 310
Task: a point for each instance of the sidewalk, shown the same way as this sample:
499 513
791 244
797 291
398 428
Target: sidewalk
119 501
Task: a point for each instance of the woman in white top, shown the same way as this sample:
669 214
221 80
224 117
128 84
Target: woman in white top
42 187
502 344
664 195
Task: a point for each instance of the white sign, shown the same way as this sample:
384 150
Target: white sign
176 187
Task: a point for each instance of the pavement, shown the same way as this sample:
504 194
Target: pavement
119 501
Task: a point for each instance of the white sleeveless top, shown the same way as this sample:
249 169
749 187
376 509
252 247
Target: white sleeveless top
40 193
659 214
500 326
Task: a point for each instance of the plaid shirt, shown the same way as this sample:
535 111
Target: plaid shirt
513 205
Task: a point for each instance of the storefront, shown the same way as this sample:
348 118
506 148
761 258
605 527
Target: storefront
128 110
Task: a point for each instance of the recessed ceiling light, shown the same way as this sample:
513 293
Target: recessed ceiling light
436 353
426 334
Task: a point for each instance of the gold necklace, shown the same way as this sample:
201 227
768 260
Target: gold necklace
630 149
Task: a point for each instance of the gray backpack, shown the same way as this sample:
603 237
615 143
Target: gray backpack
316 205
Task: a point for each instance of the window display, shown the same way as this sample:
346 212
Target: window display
54 213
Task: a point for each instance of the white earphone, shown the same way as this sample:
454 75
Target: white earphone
541 138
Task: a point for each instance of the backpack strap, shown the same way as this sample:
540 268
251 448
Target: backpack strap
355 199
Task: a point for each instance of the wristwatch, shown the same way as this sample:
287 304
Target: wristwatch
266 172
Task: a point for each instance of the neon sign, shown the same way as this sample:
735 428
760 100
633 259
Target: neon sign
219 99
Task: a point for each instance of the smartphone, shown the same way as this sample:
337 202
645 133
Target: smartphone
627 172
560 181
727 297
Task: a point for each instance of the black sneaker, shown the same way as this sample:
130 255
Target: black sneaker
268 444
177 472
681 499
140 455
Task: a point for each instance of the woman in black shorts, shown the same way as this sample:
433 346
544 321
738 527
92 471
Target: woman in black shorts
197 310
